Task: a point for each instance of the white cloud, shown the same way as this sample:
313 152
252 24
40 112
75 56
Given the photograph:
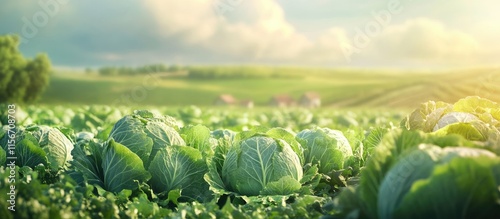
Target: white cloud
423 39
189 19
326 49
258 31
254 30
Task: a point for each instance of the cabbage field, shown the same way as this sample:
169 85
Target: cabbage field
439 161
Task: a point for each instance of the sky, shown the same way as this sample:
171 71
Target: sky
332 33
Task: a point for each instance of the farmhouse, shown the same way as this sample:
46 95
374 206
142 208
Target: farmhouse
282 101
310 100
225 100
247 104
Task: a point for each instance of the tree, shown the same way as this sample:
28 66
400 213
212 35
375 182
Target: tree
21 80
174 68
108 71
89 70
38 71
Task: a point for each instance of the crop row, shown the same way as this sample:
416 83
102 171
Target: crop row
441 161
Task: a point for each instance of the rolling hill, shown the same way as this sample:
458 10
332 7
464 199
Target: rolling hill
338 88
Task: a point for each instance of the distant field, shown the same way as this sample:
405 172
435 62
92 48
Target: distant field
338 88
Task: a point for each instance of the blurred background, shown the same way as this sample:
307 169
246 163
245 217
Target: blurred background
249 53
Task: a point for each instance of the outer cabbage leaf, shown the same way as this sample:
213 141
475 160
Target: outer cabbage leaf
289 137
486 110
162 136
284 186
372 140
3 156
385 155
88 162
179 167
472 131
58 148
390 150
476 105
224 140
129 132
122 168
30 154
198 137
3 140
414 166
400 179
214 179
462 188
454 117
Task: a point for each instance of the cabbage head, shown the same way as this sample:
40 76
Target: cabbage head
40 144
474 118
327 148
433 182
433 116
446 170
145 133
262 165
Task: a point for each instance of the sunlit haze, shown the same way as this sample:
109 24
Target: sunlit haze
387 34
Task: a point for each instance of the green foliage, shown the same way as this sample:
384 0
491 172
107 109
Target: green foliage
244 72
471 184
149 165
146 69
3 156
392 161
21 80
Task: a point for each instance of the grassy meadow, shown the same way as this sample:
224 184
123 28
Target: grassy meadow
337 87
